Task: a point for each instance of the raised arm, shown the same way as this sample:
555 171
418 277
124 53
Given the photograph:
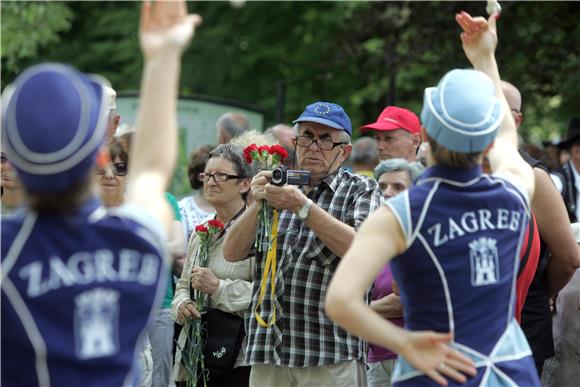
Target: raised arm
379 239
165 31
479 40
242 234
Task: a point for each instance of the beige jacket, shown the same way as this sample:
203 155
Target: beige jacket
233 295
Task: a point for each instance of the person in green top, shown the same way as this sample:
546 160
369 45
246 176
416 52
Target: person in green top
162 329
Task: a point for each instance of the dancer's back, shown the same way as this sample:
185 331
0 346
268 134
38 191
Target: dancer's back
80 290
464 231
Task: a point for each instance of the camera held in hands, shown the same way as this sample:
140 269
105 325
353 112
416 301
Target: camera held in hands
281 176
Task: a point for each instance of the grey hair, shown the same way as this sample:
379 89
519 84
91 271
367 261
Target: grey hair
414 169
233 123
364 151
233 154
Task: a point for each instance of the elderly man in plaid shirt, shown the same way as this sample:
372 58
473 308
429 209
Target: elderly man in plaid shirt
299 345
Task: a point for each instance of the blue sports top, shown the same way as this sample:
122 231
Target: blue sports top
463 233
77 294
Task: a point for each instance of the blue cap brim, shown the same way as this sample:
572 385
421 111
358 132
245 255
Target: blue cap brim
321 121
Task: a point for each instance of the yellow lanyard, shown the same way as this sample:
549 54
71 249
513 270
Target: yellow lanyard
270 267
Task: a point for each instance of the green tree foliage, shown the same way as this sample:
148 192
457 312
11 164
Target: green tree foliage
363 55
28 27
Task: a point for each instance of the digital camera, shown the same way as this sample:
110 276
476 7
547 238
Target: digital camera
281 176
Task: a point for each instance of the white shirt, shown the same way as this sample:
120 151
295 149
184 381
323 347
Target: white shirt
560 186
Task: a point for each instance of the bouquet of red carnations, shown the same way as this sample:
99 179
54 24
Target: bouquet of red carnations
268 158
192 355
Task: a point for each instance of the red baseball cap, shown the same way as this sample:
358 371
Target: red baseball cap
393 118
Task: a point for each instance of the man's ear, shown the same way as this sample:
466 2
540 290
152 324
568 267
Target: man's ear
346 150
519 119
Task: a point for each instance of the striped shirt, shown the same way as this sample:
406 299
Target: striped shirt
303 336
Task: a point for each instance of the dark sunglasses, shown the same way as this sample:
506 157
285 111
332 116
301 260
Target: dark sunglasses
3 159
217 177
118 169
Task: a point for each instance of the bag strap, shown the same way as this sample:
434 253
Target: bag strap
528 251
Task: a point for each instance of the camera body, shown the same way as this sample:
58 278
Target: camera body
282 175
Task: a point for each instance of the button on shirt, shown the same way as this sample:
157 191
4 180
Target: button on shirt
303 335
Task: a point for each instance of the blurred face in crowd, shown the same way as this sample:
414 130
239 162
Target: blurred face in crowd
9 178
319 149
398 143
222 184
393 183
112 181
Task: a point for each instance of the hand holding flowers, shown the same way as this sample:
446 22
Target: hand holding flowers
267 158
267 225
202 284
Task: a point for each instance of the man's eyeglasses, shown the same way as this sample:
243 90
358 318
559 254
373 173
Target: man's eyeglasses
118 169
322 143
217 177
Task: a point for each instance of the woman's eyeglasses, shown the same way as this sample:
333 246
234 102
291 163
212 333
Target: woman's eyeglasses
118 169
218 177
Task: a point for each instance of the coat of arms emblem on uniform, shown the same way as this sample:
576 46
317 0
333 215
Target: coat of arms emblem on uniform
96 323
484 261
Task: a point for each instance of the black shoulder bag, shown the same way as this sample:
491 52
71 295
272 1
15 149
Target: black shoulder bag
224 333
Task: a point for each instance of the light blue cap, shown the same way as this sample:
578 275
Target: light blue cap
462 113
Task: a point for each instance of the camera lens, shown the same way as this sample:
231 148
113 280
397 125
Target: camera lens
276 176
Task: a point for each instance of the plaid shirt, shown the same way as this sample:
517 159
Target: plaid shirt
303 335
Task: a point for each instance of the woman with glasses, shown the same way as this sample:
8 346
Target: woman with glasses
226 183
112 176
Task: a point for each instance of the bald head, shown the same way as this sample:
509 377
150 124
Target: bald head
514 100
283 134
230 125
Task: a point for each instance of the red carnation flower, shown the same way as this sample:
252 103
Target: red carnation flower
200 228
215 223
279 150
263 149
250 153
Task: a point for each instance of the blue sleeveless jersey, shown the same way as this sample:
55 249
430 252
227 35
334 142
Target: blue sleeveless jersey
464 231
77 294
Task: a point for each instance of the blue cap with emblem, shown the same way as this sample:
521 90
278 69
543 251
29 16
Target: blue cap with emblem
326 113
462 113
53 122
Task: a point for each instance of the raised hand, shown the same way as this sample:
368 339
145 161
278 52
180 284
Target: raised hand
430 353
479 36
165 27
